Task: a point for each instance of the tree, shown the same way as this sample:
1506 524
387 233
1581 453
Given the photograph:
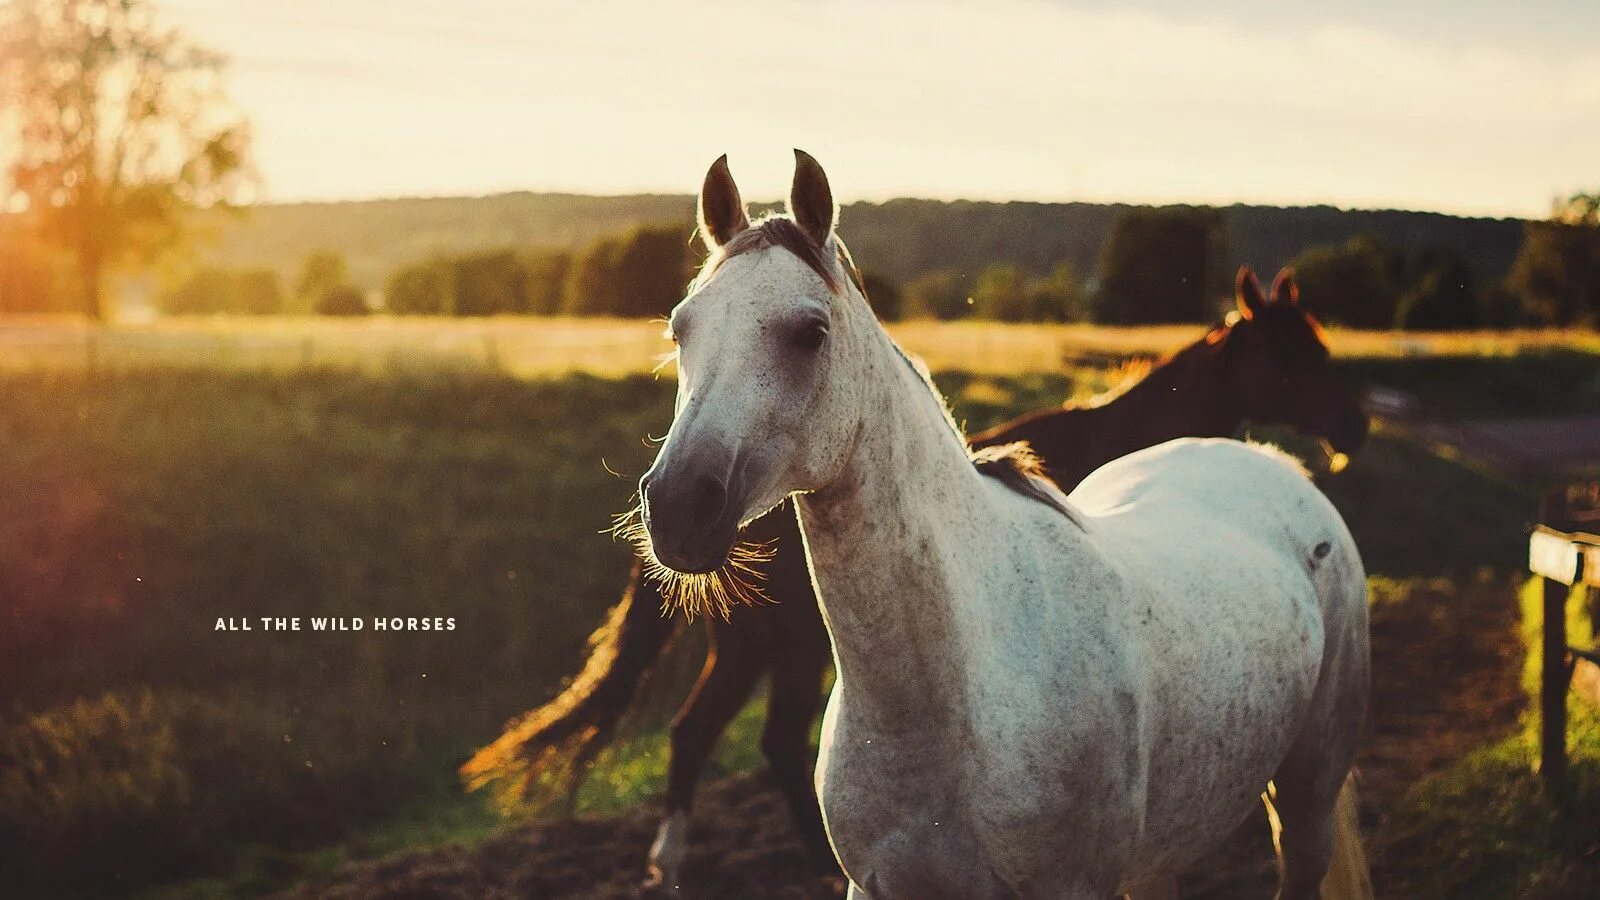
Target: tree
207 291
488 284
1356 284
1556 274
1001 293
883 295
1555 277
640 273
121 126
212 290
1438 292
342 301
546 272
322 273
421 289
1579 209
1060 297
942 294
1157 266
34 276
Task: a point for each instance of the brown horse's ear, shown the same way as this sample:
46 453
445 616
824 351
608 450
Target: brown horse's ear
1247 293
1284 289
811 200
721 210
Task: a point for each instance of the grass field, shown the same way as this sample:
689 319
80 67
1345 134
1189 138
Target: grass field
552 346
141 747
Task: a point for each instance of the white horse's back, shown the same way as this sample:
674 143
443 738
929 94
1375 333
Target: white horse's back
1213 625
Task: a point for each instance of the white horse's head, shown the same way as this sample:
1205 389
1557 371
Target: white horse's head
772 347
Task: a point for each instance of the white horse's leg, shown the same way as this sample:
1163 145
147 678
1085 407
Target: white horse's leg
1320 850
668 850
1313 785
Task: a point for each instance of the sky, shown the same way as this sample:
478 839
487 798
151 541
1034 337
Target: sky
1464 107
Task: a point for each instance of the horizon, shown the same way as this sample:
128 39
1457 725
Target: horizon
1482 110
778 201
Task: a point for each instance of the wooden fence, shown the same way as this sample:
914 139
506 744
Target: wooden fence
1564 550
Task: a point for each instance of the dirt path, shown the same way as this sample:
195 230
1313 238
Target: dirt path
1446 668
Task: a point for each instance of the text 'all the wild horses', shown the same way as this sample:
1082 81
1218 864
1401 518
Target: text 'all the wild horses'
324 623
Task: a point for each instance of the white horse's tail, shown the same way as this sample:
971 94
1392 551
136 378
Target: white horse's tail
1348 877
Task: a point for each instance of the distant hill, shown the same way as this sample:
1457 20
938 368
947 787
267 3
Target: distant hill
900 238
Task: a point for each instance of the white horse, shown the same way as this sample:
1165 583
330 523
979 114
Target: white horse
1037 695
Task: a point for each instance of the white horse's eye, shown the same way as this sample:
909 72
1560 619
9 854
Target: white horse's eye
809 334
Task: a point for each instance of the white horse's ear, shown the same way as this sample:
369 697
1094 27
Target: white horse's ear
811 200
1284 288
1247 293
721 209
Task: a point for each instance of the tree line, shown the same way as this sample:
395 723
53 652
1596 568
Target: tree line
1166 264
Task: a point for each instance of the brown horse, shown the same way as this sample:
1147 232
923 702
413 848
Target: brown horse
1269 365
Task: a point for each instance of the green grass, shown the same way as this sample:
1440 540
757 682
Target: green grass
160 499
1486 826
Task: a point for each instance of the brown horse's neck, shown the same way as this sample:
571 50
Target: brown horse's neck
1184 396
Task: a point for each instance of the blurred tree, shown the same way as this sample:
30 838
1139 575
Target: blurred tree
883 295
342 301
546 271
121 127
1579 209
421 289
209 290
640 273
1438 292
1556 275
1499 307
259 292
1157 266
1356 284
214 290
941 294
1059 296
490 283
322 273
1000 293
34 276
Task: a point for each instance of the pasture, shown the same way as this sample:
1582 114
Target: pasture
158 478
527 347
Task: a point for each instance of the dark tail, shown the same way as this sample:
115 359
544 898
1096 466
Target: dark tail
543 754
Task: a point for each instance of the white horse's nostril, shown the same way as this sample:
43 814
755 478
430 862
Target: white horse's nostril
707 500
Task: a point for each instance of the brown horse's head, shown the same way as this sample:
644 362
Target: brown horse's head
1278 366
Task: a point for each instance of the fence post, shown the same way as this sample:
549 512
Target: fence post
1554 671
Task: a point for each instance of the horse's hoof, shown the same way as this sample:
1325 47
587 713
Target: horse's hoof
655 884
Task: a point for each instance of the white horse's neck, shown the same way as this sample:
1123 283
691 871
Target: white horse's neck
882 538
